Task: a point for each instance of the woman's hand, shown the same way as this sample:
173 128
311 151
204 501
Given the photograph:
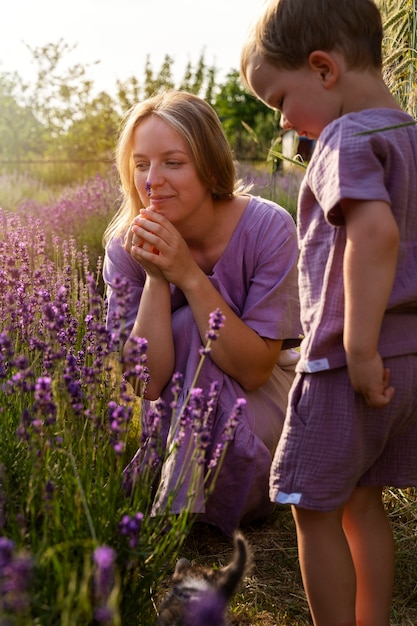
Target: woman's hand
136 242
239 351
158 246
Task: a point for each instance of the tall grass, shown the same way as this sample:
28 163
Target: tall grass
400 50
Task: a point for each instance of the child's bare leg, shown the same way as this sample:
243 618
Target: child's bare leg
372 547
326 567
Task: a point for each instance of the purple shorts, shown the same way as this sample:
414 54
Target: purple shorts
333 441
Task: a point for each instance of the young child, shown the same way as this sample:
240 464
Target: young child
351 426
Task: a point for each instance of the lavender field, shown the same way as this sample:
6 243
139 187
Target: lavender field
77 543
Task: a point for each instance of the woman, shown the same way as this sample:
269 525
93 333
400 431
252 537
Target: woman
189 240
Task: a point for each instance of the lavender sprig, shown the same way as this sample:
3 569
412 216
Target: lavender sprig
216 322
104 582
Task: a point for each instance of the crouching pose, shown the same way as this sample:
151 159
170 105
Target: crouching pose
188 240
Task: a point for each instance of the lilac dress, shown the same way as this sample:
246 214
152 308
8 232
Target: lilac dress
257 277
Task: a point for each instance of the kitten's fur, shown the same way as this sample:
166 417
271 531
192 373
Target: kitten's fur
199 594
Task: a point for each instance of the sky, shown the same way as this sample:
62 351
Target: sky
121 33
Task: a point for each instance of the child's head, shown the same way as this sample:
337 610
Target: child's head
289 30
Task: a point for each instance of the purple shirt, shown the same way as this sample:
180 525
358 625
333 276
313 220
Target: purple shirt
372 166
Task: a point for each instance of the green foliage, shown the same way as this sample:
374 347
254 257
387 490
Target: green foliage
60 119
248 123
400 50
20 131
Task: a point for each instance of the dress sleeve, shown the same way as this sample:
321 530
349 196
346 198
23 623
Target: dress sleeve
271 305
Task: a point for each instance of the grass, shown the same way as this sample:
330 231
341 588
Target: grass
273 593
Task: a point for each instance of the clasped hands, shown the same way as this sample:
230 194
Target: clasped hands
154 242
136 236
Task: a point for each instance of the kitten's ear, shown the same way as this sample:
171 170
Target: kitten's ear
182 566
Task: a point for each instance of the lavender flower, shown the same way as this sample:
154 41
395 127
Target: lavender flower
130 526
119 416
228 434
136 358
6 552
44 401
177 382
233 420
216 322
122 292
103 584
104 558
206 609
15 579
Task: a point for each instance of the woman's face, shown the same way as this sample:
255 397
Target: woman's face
165 175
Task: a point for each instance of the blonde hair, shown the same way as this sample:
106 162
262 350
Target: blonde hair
289 30
198 124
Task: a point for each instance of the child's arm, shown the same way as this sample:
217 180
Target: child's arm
372 241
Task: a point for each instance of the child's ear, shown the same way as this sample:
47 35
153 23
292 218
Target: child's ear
325 66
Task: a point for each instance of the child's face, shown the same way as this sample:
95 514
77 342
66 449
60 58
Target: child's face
306 105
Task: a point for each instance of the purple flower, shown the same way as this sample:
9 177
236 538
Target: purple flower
177 382
104 580
103 615
233 420
44 402
130 526
15 579
119 416
206 609
216 456
6 551
216 321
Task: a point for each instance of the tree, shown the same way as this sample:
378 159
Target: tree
248 123
20 132
60 93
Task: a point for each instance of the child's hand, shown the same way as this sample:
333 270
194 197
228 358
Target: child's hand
371 379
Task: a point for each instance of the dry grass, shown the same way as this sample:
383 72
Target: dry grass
273 593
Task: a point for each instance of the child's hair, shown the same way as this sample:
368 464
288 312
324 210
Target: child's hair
198 124
289 30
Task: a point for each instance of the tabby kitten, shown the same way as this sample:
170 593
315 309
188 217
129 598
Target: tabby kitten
199 595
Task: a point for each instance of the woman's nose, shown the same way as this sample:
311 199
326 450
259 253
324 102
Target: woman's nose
155 176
